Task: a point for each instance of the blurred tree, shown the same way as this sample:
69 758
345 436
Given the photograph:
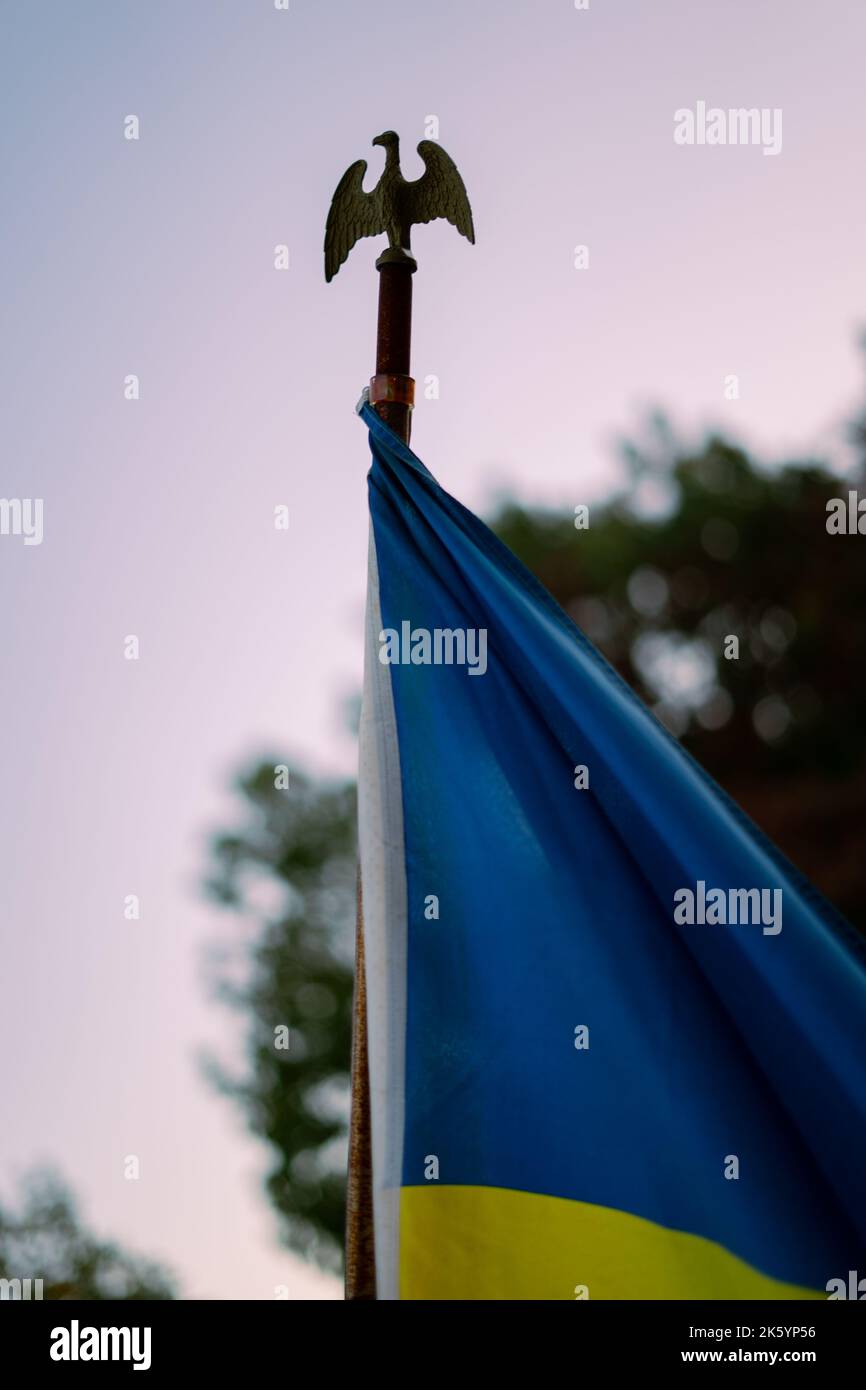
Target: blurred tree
703 546
43 1240
291 870
700 546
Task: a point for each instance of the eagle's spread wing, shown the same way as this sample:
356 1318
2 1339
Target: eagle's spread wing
440 191
353 214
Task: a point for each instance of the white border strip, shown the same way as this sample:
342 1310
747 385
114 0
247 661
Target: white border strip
383 886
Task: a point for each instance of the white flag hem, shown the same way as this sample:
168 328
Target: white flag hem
383 885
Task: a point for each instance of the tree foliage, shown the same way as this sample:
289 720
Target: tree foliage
740 551
43 1239
298 847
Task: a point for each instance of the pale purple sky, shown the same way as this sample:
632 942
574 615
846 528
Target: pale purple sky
156 258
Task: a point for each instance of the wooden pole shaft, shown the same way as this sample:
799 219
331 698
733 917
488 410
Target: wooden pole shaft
393 351
360 1247
394 337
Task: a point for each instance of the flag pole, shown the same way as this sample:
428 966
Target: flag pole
392 393
392 390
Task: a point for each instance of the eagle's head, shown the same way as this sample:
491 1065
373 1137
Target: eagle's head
389 138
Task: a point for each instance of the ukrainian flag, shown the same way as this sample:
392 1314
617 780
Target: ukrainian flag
576 1089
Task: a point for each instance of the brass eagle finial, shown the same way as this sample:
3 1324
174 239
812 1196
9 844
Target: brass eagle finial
395 203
